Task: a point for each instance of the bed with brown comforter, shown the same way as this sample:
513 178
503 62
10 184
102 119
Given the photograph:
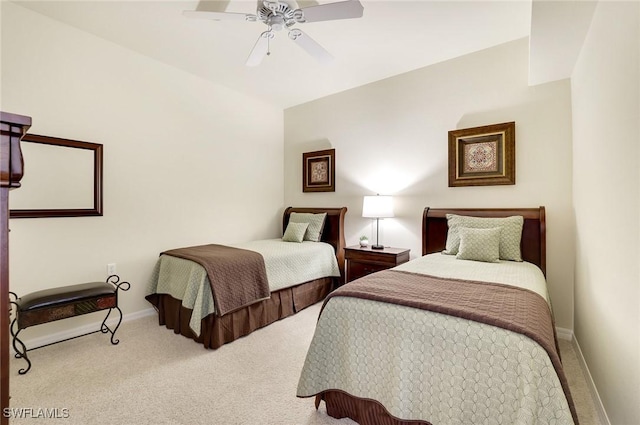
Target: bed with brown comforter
443 340
242 299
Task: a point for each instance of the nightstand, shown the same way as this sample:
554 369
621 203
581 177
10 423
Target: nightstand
364 261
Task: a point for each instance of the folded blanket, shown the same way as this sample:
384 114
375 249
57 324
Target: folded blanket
238 277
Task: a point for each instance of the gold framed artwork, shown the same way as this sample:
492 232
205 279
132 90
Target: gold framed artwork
318 171
483 156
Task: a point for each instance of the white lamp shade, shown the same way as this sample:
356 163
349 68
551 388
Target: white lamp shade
377 206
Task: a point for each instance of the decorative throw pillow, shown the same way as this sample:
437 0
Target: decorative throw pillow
510 235
479 244
295 232
315 221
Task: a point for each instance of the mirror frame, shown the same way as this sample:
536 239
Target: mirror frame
96 148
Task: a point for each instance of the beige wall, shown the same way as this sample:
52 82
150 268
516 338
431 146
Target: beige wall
606 128
181 157
391 137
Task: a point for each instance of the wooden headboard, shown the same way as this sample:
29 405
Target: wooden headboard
333 231
533 244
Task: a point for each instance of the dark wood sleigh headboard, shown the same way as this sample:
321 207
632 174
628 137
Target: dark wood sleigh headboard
533 244
332 232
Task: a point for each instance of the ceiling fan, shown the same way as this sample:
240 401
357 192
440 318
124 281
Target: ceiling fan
279 15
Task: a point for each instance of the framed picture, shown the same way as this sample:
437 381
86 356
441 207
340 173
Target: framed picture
483 156
56 163
318 171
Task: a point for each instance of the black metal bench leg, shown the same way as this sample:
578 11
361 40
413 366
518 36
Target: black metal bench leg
104 328
20 353
120 286
13 336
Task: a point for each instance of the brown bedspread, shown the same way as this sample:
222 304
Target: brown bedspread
516 309
237 276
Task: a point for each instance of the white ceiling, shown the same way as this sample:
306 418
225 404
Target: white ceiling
392 37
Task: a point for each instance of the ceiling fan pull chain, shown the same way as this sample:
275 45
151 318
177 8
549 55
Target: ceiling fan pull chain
268 46
268 35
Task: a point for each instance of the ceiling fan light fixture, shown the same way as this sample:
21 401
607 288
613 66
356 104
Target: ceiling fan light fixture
276 22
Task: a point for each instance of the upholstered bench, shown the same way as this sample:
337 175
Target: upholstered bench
54 304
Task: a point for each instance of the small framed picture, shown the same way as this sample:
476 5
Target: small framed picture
318 171
483 156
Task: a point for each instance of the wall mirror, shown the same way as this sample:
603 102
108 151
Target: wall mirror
62 178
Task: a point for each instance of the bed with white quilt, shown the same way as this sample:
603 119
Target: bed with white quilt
215 294
462 335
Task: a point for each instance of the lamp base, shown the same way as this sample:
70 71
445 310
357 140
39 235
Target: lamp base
377 246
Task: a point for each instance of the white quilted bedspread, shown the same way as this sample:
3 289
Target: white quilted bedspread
287 264
434 367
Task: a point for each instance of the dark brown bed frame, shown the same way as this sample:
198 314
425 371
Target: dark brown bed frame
218 330
434 236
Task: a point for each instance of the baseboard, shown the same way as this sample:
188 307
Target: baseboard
71 333
602 414
566 334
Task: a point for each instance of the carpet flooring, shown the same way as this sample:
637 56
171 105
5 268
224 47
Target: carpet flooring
156 377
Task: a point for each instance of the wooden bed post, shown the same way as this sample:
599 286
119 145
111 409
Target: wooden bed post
13 127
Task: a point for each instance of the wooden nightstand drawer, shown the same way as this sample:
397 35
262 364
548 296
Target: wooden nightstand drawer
364 261
356 269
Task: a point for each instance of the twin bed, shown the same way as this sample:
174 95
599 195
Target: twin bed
180 289
456 339
443 339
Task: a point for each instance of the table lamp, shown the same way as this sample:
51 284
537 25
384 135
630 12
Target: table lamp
377 207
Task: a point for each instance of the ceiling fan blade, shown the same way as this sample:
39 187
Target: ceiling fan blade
306 3
260 49
326 12
310 45
219 16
